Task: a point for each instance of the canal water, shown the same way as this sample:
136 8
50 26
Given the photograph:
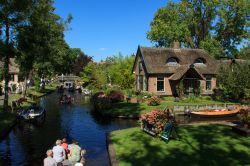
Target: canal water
26 144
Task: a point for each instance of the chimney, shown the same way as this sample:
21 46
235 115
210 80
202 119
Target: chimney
175 44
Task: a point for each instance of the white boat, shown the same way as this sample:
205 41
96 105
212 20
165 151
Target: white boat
32 113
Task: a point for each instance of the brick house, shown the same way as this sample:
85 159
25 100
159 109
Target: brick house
162 70
13 72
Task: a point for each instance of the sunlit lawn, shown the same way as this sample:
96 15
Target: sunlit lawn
135 109
213 145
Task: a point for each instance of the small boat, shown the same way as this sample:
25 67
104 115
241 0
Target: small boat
64 99
33 113
215 113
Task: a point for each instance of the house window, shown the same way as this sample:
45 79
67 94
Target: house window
140 66
12 78
140 82
172 61
160 84
208 83
199 61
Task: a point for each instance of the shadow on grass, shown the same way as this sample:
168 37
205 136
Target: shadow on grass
124 109
200 145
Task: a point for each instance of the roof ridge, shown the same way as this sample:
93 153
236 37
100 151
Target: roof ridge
168 48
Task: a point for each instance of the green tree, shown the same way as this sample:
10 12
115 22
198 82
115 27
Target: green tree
121 64
42 48
13 13
94 75
208 24
169 25
234 80
244 52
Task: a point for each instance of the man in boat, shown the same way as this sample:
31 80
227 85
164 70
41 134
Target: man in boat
49 161
58 152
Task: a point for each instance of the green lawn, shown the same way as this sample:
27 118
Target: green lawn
135 109
199 145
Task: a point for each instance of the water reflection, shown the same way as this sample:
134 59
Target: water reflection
27 143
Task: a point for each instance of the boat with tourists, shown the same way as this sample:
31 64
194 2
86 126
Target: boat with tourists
216 112
66 99
31 114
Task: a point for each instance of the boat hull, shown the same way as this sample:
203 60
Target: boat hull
208 114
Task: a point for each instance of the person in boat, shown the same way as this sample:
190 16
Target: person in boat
75 153
49 161
65 146
58 152
81 163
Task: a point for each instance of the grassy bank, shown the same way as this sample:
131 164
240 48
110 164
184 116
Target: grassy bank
199 145
135 109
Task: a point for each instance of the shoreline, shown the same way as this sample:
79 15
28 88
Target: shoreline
8 129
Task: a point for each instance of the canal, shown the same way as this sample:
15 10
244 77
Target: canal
26 144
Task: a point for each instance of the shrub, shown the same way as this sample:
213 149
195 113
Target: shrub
100 101
244 116
156 118
116 96
154 101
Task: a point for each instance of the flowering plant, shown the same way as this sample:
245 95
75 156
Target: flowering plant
156 119
244 117
154 101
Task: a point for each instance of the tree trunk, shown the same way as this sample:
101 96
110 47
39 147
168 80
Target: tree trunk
25 87
6 66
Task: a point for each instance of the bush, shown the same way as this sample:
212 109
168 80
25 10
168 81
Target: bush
154 101
116 96
244 117
100 101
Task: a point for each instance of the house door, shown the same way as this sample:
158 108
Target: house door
191 85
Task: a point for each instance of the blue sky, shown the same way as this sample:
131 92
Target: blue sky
103 28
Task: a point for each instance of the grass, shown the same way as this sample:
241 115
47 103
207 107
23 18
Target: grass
135 109
212 145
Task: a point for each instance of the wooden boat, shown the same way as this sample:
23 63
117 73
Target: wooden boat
215 113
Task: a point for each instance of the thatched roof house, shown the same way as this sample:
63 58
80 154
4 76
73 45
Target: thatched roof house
165 71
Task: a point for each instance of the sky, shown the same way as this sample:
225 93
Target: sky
103 28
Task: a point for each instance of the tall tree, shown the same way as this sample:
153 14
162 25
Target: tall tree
208 24
41 43
13 13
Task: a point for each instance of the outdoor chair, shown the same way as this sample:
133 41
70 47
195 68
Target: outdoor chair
168 131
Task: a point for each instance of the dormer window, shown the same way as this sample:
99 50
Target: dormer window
172 61
200 61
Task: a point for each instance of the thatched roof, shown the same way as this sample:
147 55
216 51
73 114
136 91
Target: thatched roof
13 67
155 60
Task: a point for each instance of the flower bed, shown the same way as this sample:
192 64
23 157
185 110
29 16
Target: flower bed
154 121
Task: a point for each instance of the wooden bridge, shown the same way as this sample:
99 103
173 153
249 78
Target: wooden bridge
64 78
